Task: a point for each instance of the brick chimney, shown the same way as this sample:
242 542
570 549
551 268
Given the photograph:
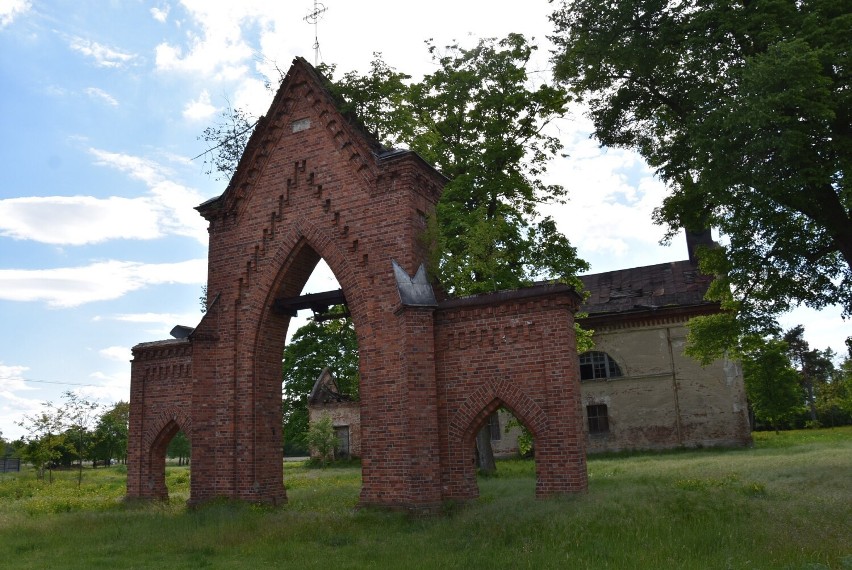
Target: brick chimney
696 239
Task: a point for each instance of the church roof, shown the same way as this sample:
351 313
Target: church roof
326 391
674 284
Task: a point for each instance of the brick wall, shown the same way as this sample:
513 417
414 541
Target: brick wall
160 396
311 186
515 350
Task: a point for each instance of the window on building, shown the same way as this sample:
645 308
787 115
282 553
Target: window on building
494 426
598 418
342 433
595 365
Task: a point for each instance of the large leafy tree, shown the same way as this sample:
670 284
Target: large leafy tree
478 119
110 435
745 110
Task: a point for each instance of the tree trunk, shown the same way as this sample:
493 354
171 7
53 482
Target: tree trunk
484 452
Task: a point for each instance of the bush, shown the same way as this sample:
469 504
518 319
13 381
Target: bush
322 439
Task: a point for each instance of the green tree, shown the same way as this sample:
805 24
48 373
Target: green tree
110 435
322 439
772 384
78 416
315 346
226 140
743 109
479 120
43 439
834 398
179 447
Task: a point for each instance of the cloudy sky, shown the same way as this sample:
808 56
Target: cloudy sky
102 103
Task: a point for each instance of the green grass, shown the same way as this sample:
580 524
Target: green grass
786 503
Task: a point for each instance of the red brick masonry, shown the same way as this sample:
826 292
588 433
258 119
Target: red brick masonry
312 185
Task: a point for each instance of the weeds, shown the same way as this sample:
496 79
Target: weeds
783 504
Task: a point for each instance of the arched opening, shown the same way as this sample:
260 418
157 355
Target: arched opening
305 322
177 471
512 443
168 481
320 373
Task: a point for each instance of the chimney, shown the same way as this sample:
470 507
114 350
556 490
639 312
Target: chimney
696 239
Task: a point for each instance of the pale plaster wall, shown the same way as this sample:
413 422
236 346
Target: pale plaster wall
665 399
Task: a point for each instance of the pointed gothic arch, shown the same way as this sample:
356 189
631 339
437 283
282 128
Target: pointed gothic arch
312 185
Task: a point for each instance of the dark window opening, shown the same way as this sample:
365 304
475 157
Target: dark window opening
595 365
494 426
598 418
342 433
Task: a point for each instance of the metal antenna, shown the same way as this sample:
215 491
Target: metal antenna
313 18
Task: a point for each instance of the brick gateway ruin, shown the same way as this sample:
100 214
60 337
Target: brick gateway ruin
312 185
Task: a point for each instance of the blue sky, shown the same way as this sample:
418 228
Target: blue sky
102 103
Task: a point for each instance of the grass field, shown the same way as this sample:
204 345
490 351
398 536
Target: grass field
786 503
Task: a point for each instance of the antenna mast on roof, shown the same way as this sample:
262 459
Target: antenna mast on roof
313 18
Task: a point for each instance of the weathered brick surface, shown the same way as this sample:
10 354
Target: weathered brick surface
342 414
310 186
160 396
510 351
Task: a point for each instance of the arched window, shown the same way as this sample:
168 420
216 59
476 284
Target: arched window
596 365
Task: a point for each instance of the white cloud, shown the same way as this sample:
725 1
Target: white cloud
117 353
110 388
14 407
168 209
101 281
200 109
102 95
11 378
142 169
78 220
160 14
157 318
11 9
163 323
104 56
220 48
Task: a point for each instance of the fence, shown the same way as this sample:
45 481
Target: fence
8 464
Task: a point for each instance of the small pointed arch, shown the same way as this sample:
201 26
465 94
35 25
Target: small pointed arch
157 438
484 401
598 365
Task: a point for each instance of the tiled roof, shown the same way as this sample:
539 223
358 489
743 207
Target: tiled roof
677 283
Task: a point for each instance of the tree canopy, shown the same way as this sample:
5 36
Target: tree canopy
478 119
743 108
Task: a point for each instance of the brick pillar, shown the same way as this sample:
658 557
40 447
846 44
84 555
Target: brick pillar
399 416
135 454
421 408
